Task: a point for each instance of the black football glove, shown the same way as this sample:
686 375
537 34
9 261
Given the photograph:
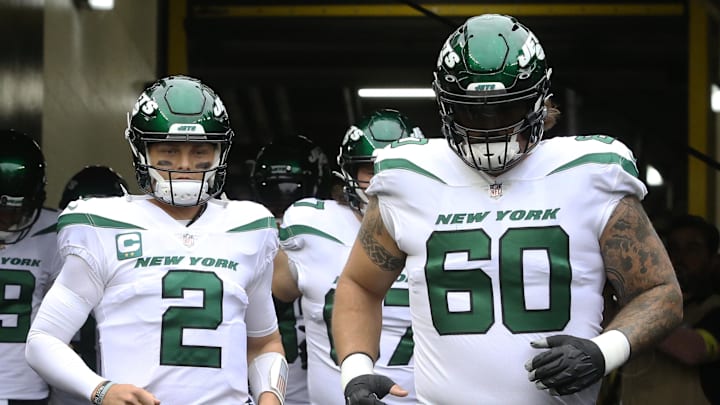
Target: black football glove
367 389
571 365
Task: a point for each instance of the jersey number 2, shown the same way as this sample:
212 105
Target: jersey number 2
177 318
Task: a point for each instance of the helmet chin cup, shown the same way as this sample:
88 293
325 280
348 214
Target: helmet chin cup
183 193
491 156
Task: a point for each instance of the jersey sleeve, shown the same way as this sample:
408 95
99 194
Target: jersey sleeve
618 179
82 241
260 316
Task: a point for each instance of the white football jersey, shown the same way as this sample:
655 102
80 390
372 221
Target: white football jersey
179 301
27 269
495 263
317 236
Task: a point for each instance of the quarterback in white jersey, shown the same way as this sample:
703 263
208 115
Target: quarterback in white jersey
28 261
317 236
507 242
178 282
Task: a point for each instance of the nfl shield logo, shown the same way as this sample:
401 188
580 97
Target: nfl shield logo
188 240
496 190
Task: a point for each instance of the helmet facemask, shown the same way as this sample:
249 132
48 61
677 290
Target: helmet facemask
16 219
492 136
173 186
354 189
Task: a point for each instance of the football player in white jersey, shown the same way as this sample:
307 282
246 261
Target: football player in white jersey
286 171
507 241
317 236
179 282
28 262
90 181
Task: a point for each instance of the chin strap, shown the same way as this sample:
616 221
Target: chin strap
268 372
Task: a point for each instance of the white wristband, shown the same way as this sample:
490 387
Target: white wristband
615 348
354 365
268 372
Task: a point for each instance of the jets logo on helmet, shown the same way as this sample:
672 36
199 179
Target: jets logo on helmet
218 108
530 48
146 104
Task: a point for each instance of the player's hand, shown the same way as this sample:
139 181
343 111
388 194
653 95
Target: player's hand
367 389
572 364
128 394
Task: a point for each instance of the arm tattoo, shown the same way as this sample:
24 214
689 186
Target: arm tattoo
372 227
640 272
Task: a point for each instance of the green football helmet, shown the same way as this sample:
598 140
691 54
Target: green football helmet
179 109
491 84
375 131
289 170
22 185
93 181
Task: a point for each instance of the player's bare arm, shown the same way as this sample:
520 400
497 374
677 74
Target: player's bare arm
284 283
376 241
639 269
374 263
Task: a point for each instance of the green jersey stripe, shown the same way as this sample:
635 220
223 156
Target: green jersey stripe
406 165
601 158
92 220
262 223
294 230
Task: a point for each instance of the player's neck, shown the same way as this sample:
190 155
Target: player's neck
179 213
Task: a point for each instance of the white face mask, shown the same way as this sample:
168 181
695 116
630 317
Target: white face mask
491 156
184 192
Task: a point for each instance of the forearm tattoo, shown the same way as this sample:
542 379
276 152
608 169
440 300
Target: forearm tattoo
372 228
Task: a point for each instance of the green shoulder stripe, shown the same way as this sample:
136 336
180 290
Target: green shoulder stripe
601 158
92 220
406 165
293 230
50 229
262 223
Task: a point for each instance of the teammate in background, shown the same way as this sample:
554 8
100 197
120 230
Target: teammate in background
179 282
28 253
93 181
317 236
288 170
90 181
507 242
684 368
284 172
